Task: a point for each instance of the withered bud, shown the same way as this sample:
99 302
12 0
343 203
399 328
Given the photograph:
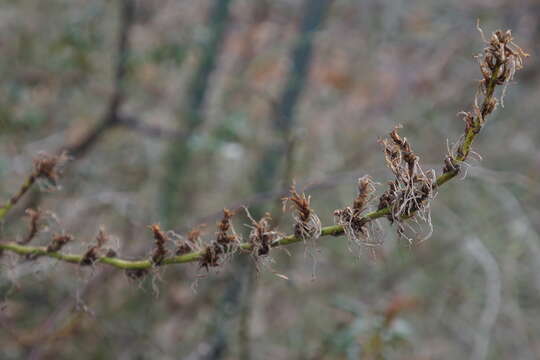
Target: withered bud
190 243
366 187
261 235
210 257
299 202
222 236
48 166
194 236
183 248
307 224
468 118
58 241
34 217
160 238
449 165
396 138
225 223
489 105
93 253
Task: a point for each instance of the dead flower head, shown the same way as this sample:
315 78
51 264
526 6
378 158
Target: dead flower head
307 224
191 242
160 239
48 167
355 225
96 251
58 242
498 62
261 236
226 243
34 225
409 195
226 237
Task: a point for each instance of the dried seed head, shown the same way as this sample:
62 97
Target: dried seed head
261 235
468 118
210 257
194 236
183 247
48 166
300 203
307 224
192 242
224 245
94 252
489 105
223 238
355 225
409 194
34 217
160 238
366 187
499 62
58 241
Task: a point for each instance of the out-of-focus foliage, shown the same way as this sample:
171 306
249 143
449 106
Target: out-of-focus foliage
471 291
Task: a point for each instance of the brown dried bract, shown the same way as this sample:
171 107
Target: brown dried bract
58 241
225 244
49 166
352 218
227 241
95 252
261 235
192 242
412 189
160 238
210 257
307 224
34 216
500 60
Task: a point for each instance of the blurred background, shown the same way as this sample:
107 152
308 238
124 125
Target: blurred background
174 109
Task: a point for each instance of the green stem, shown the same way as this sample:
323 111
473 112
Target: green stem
334 230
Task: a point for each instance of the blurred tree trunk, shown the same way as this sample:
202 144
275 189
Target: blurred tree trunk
276 164
178 183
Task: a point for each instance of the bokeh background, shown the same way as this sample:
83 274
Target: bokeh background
174 109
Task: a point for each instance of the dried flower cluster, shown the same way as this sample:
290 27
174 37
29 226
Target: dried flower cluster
261 236
96 251
160 239
355 225
192 242
225 243
408 195
499 62
58 242
49 167
34 216
46 167
307 224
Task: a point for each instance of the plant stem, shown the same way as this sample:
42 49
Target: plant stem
333 230
30 180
